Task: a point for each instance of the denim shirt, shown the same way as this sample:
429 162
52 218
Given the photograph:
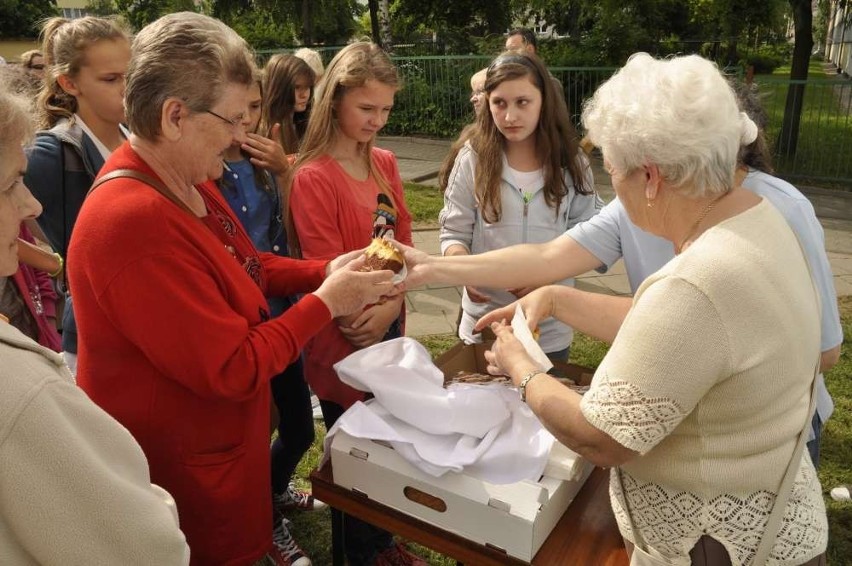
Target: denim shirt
259 211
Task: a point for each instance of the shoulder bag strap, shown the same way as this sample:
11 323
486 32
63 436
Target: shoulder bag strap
638 541
142 177
773 524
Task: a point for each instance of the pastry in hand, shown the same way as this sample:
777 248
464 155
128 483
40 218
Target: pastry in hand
381 254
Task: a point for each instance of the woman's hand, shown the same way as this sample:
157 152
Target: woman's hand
537 306
342 260
267 153
508 356
346 290
417 263
371 325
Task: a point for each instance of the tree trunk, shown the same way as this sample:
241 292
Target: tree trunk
374 21
307 23
804 42
384 25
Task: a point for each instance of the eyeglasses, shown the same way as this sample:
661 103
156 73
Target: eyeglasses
233 123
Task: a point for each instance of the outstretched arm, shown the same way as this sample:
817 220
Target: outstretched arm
599 316
524 265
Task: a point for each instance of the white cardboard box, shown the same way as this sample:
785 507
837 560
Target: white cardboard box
515 518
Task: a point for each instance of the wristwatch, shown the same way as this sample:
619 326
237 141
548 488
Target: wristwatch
522 387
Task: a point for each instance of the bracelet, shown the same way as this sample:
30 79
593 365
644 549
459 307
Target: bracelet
522 387
61 261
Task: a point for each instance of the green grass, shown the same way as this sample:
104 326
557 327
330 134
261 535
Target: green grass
825 130
836 446
313 532
424 203
815 70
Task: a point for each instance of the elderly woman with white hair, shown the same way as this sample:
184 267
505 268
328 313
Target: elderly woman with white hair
701 402
176 339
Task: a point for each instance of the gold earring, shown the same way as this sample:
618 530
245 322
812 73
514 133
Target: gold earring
650 203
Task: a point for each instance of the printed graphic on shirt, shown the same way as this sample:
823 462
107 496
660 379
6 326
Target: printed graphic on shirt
384 218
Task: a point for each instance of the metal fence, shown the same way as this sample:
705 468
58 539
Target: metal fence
435 99
435 102
824 143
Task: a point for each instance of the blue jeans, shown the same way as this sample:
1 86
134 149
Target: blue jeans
295 425
69 327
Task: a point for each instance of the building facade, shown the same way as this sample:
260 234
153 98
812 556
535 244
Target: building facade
838 37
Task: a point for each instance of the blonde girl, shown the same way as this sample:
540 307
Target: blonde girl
80 108
520 178
344 192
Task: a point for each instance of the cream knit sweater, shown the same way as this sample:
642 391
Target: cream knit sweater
74 484
709 379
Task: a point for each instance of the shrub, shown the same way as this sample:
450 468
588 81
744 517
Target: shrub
764 64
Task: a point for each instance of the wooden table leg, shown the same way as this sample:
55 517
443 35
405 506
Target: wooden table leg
338 557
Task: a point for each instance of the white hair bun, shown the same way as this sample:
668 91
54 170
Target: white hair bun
748 129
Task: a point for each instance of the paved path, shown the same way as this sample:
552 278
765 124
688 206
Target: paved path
434 309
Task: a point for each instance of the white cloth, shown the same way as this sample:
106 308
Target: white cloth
525 336
485 431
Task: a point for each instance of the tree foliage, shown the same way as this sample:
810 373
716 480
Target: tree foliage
139 13
20 18
605 30
263 23
457 22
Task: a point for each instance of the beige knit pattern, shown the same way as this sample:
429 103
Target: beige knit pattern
709 381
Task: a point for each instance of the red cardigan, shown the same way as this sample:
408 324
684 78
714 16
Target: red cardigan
333 213
173 344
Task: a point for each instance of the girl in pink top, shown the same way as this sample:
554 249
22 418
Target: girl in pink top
344 193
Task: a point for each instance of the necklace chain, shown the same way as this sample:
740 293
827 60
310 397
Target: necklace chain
700 218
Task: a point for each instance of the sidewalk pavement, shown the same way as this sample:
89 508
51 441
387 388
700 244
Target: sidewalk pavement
434 309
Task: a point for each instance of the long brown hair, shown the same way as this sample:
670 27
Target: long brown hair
556 139
279 86
351 68
64 43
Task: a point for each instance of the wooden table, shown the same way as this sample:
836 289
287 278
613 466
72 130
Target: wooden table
586 533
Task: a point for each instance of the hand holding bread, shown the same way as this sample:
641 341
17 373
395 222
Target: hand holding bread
348 289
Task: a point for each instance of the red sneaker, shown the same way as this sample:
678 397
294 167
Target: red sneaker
285 551
293 498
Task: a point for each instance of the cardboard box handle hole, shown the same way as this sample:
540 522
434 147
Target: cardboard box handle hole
423 498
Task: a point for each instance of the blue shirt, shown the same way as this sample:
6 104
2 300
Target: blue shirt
259 211
256 207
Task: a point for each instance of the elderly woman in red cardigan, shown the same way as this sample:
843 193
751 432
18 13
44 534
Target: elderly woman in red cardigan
170 294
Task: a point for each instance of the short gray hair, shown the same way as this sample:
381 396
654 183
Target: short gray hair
187 56
679 114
